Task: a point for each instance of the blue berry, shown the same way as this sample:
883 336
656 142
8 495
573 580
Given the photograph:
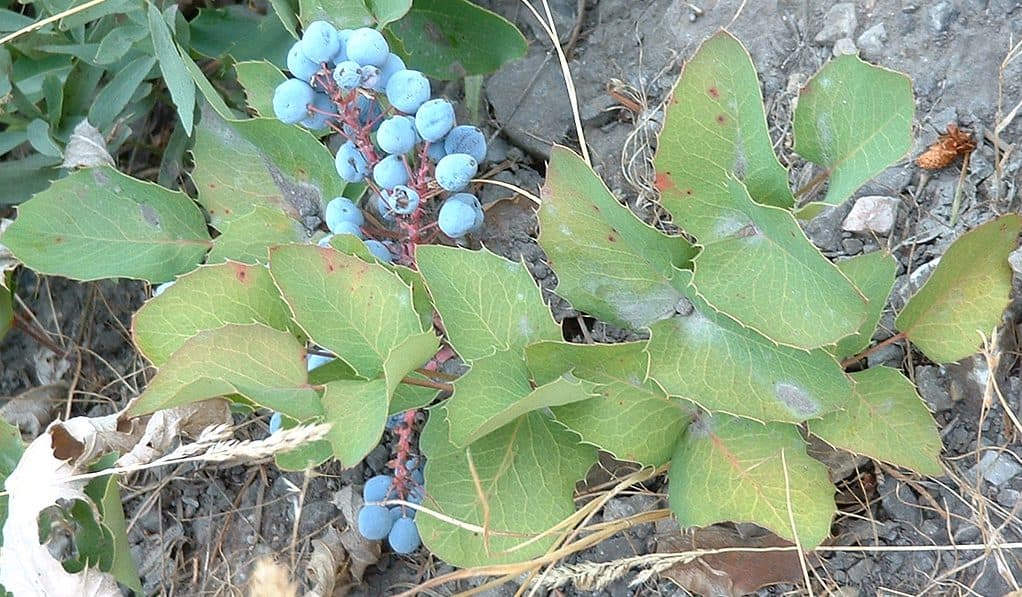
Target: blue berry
374 522
473 202
390 172
351 164
348 75
345 227
162 288
382 208
419 478
378 488
343 35
455 170
394 420
370 76
404 536
397 135
325 111
275 422
320 41
436 151
407 90
381 252
466 139
369 110
291 100
299 64
457 218
391 66
402 200
367 46
342 209
434 119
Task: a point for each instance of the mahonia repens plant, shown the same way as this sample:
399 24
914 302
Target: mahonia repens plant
748 328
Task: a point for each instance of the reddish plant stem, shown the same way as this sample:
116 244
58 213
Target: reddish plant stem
855 359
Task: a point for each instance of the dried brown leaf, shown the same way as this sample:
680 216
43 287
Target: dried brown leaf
270 579
164 428
362 552
328 565
86 148
32 410
731 573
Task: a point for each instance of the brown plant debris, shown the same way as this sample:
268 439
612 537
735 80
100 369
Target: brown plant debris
951 144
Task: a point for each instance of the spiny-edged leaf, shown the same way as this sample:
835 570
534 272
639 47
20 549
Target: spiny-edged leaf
527 472
388 11
487 303
497 391
99 223
357 409
630 416
636 423
260 161
709 359
885 420
331 371
205 299
854 119
715 129
248 237
259 78
965 296
608 262
179 82
873 275
603 363
359 311
265 365
451 39
758 267
729 469
344 14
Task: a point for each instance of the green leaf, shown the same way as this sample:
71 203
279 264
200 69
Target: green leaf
527 472
885 420
855 120
707 358
259 80
715 129
287 12
344 14
451 39
388 11
964 298
873 274
266 366
358 411
39 136
496 391
728 469
209 93
179 82
106 493
114 97
758 267
488 304
240 32
205 299
119 41
357 310
262 161
99 223
304 457
6 309
608 262
248 237
21 179
630 417
11 448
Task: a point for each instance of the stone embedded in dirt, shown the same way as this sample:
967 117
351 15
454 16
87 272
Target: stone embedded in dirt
872 41
900 502
939 16
997 468
873 214
1015 261
932 384
825 229
845 47
839 22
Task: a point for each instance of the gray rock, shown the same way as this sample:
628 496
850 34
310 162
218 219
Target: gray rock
859 572
852 246
872 41
1015 261
839 22
825 229
1008 498
315 516
844 47
530 102
891 355
939 16
618 508
997 468
900 502
932 384
873 214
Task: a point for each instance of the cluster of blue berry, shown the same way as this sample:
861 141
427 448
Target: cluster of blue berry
406 147
397 523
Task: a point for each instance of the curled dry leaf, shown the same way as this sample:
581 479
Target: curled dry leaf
270 579
362 553
327 565
44 475
32 410
730 573
86 148
165 426
951 144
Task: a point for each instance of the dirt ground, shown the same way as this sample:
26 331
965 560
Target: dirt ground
197 530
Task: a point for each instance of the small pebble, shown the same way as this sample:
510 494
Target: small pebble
839 22
872 214
844 47
997 467
872 41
